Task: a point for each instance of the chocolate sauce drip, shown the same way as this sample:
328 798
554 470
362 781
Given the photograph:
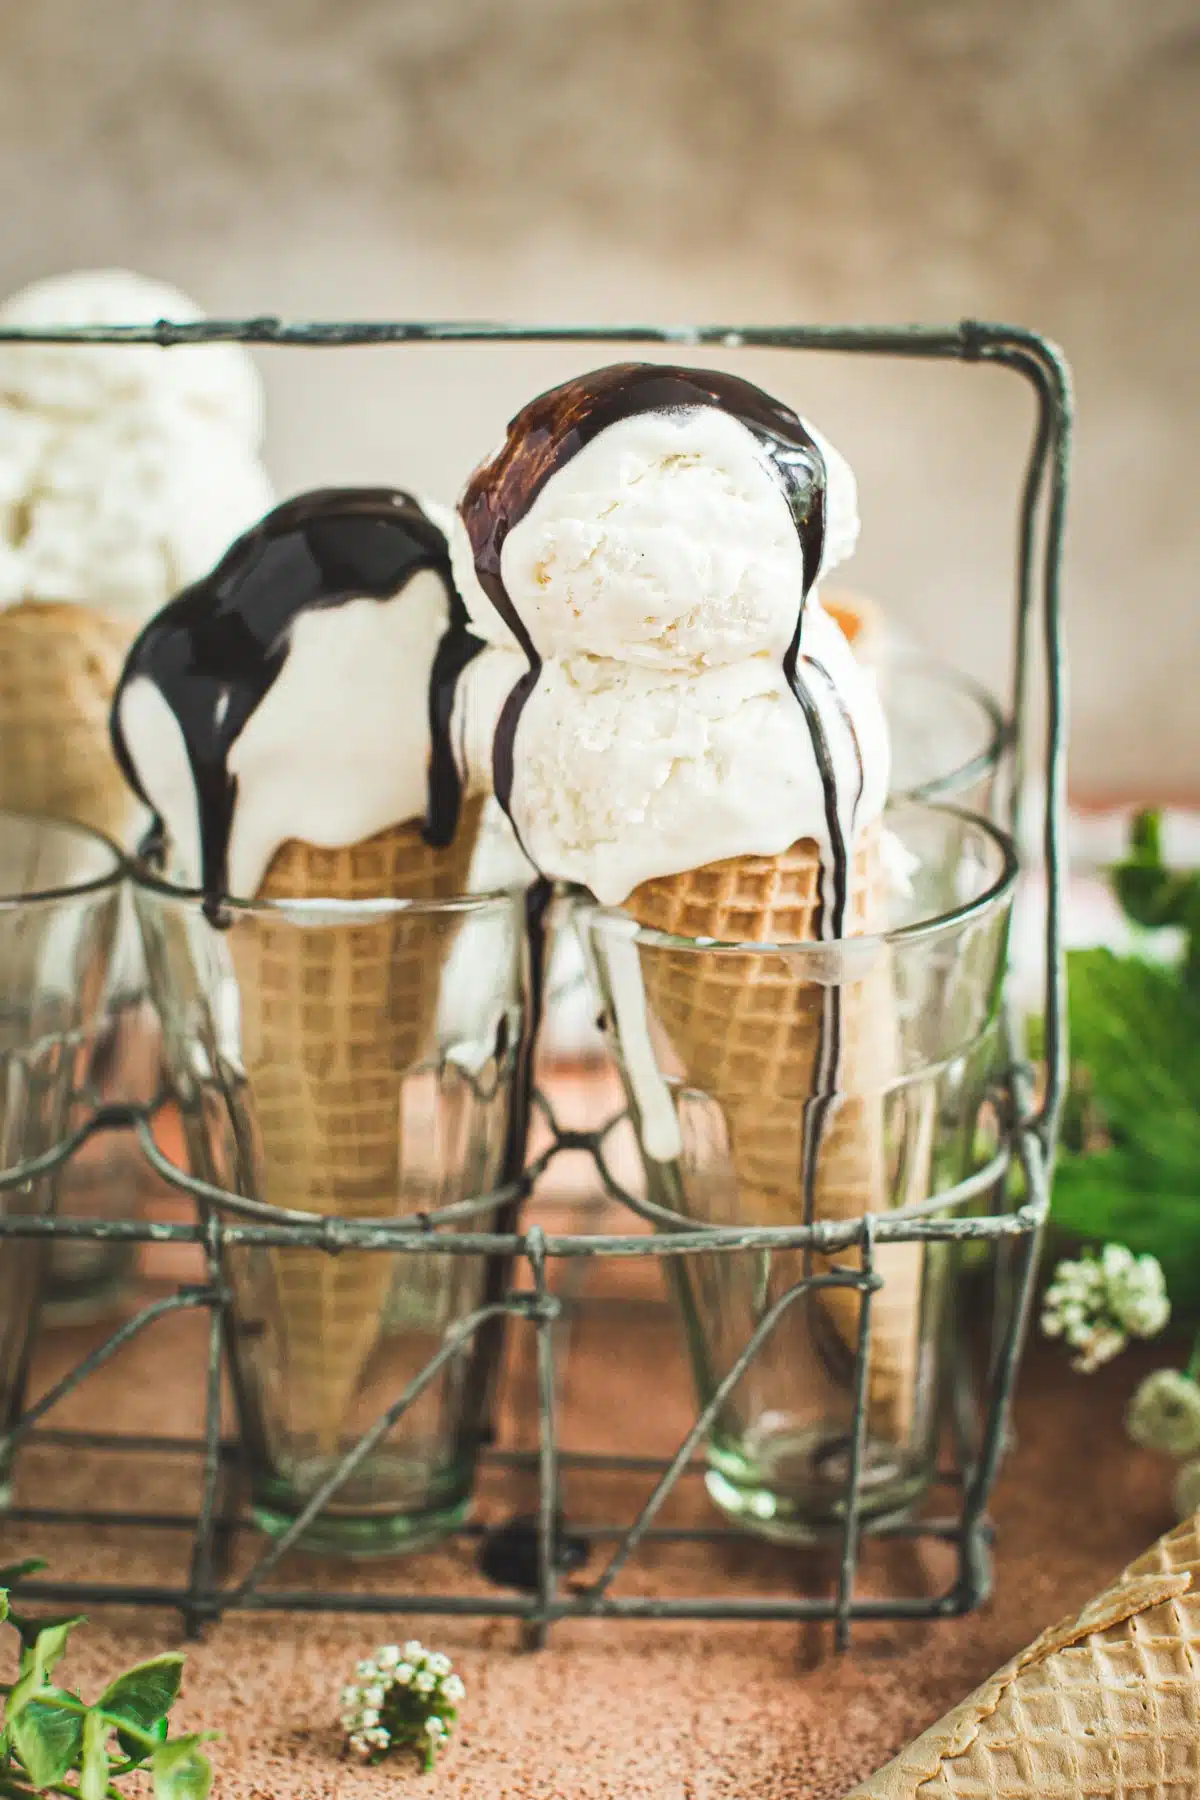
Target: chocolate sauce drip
548 432
215 651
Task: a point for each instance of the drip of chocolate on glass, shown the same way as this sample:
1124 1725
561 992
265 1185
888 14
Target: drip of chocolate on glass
217 649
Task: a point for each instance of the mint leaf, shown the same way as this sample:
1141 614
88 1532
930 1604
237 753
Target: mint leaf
1135 1028
48 1739
145 1693
180 1772
30 1628
134 1749
93 1762
39 1661
12 1573
1124 1196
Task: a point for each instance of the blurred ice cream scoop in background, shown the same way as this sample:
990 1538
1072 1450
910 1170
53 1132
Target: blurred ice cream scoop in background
124 472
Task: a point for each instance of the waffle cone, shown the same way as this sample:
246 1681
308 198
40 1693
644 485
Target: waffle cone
748 1033
1105 1706
331 1019
59 666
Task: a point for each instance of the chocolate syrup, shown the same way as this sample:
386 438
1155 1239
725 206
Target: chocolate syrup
215 651
544 436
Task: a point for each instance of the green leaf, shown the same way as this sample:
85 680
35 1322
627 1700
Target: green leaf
93 1763
1123 1196
3 1604
135 1750
50 1644
145 1693
30 1628
47 1739
1136 1030
39 1661
16 1572
180 1771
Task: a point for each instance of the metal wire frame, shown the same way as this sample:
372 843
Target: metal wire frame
1029 1139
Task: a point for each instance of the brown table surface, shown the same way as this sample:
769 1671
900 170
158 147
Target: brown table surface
674 1710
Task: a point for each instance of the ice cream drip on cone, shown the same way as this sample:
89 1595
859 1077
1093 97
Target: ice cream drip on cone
685 731
288 721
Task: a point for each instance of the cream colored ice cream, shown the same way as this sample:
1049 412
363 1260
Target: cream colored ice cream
124 470
663 688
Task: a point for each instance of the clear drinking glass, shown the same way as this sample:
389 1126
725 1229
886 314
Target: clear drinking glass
775 1084
353 1059
60 891
87 1278
947 732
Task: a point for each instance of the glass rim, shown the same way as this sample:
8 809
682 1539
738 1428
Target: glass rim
321 909
75 890
985 760
615 921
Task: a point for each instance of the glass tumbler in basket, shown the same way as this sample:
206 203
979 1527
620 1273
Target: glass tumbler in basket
357 1059
788 1082
60 895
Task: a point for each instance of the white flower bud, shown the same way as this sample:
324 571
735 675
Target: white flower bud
374 1697
1164 1414
438 1664
453 1688
414 1651
404 1674
424 1682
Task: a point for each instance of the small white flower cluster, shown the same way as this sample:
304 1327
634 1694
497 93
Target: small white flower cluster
402 1697
1097 1304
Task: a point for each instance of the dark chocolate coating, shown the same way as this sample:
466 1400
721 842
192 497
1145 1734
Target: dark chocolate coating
217 649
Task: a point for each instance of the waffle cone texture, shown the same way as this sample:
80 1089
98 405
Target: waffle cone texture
1104 1706
754 1034
332 1017
59 667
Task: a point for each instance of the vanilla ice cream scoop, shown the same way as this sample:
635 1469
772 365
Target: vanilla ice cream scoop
662 689
656 515
218 382
623 773
124 470
305 689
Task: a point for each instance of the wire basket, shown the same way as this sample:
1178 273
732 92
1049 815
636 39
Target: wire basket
222 1220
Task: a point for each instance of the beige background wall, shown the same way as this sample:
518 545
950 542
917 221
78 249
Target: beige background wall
749 159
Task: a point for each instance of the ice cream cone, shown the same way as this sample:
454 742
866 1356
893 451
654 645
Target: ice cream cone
331 1018
749 1030
1102 1706
59 665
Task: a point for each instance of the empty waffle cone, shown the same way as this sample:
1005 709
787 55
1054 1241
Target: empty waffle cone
750 1033
331 1019
1105 1706
59 665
